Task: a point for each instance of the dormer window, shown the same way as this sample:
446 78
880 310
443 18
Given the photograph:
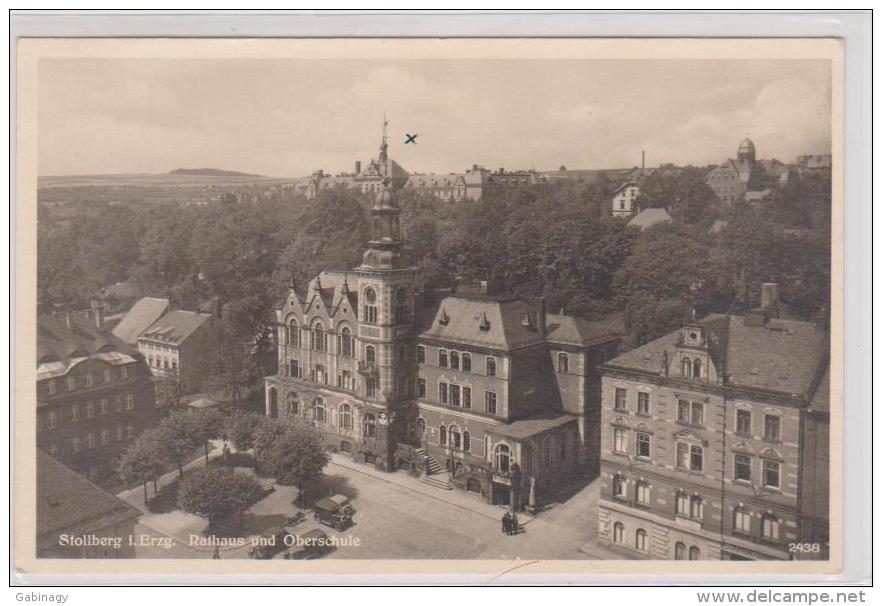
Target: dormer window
696 368
686 367
443 319
527 322
484 324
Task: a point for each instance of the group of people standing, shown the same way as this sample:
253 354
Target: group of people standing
510 523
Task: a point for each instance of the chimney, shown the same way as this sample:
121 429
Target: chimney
542 319
98 313
642 162
769 299
171 300
358 167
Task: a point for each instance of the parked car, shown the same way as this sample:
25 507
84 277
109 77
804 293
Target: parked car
311 544
335 511
270 544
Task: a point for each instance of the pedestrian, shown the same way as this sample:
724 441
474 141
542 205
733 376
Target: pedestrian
514 523
506 523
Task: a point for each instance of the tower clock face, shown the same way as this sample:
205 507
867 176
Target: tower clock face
370 295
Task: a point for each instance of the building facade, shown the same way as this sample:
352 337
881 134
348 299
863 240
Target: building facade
179 346
94 393
716 441
626 200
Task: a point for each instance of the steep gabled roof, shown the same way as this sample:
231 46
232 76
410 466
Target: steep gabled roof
143 313
68 502
176 326
58 341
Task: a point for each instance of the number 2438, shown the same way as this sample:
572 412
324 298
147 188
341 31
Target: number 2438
804 547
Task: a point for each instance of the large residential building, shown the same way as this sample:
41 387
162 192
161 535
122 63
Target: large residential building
716 441
94 392
626 199
77 519
745 178
180 345
480 388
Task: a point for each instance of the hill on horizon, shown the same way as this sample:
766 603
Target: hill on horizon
211 172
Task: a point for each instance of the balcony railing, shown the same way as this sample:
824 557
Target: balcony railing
368 368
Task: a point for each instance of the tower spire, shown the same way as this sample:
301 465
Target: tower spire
384 145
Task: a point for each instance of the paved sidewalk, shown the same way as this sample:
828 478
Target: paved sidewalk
454 497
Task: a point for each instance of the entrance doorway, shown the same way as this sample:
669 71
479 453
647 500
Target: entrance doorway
473 485
345 446
501 494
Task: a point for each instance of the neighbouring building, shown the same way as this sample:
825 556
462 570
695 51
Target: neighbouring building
486 385
816 163
94 392
626 199
716 440
139 318
77 519
180 345
745 177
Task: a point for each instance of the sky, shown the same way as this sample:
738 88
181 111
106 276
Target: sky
290 117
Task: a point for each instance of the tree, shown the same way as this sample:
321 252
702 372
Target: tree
217 493
240 427
176 440
202 425
142 460
298 456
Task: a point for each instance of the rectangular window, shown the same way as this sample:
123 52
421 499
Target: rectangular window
771 474
742 468
454 360
53 420
643 493
698 414
90 380
442 392
370 387
50 387
771 528
442 358
772 427
642 403
421 354
742 422
294 368
454 395
90 411
108 375
742 520
683 411
620 440
130 402
71 383
75 413
466 362
421 387
621 402
683 504
690 457
124 372
643 445
490 401
466 397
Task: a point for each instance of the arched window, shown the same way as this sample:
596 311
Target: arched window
454 360
370 355
442 435
370 305
346 342
293 404
293 337
466 362
503 457
618 532
466 441
680 551
319 414
643 493
345 417
454 437
318 337
442 358
640 540
696 368
618 485
696 508
370 425
694 553
686 367
491 367
563 362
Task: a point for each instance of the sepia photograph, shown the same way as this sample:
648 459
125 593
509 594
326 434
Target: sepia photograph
356 301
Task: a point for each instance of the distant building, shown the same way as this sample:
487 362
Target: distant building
817 163
648 217
745 178
626 199
180 345
716 441
94 392
77 519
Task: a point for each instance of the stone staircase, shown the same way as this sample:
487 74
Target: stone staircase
435 474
